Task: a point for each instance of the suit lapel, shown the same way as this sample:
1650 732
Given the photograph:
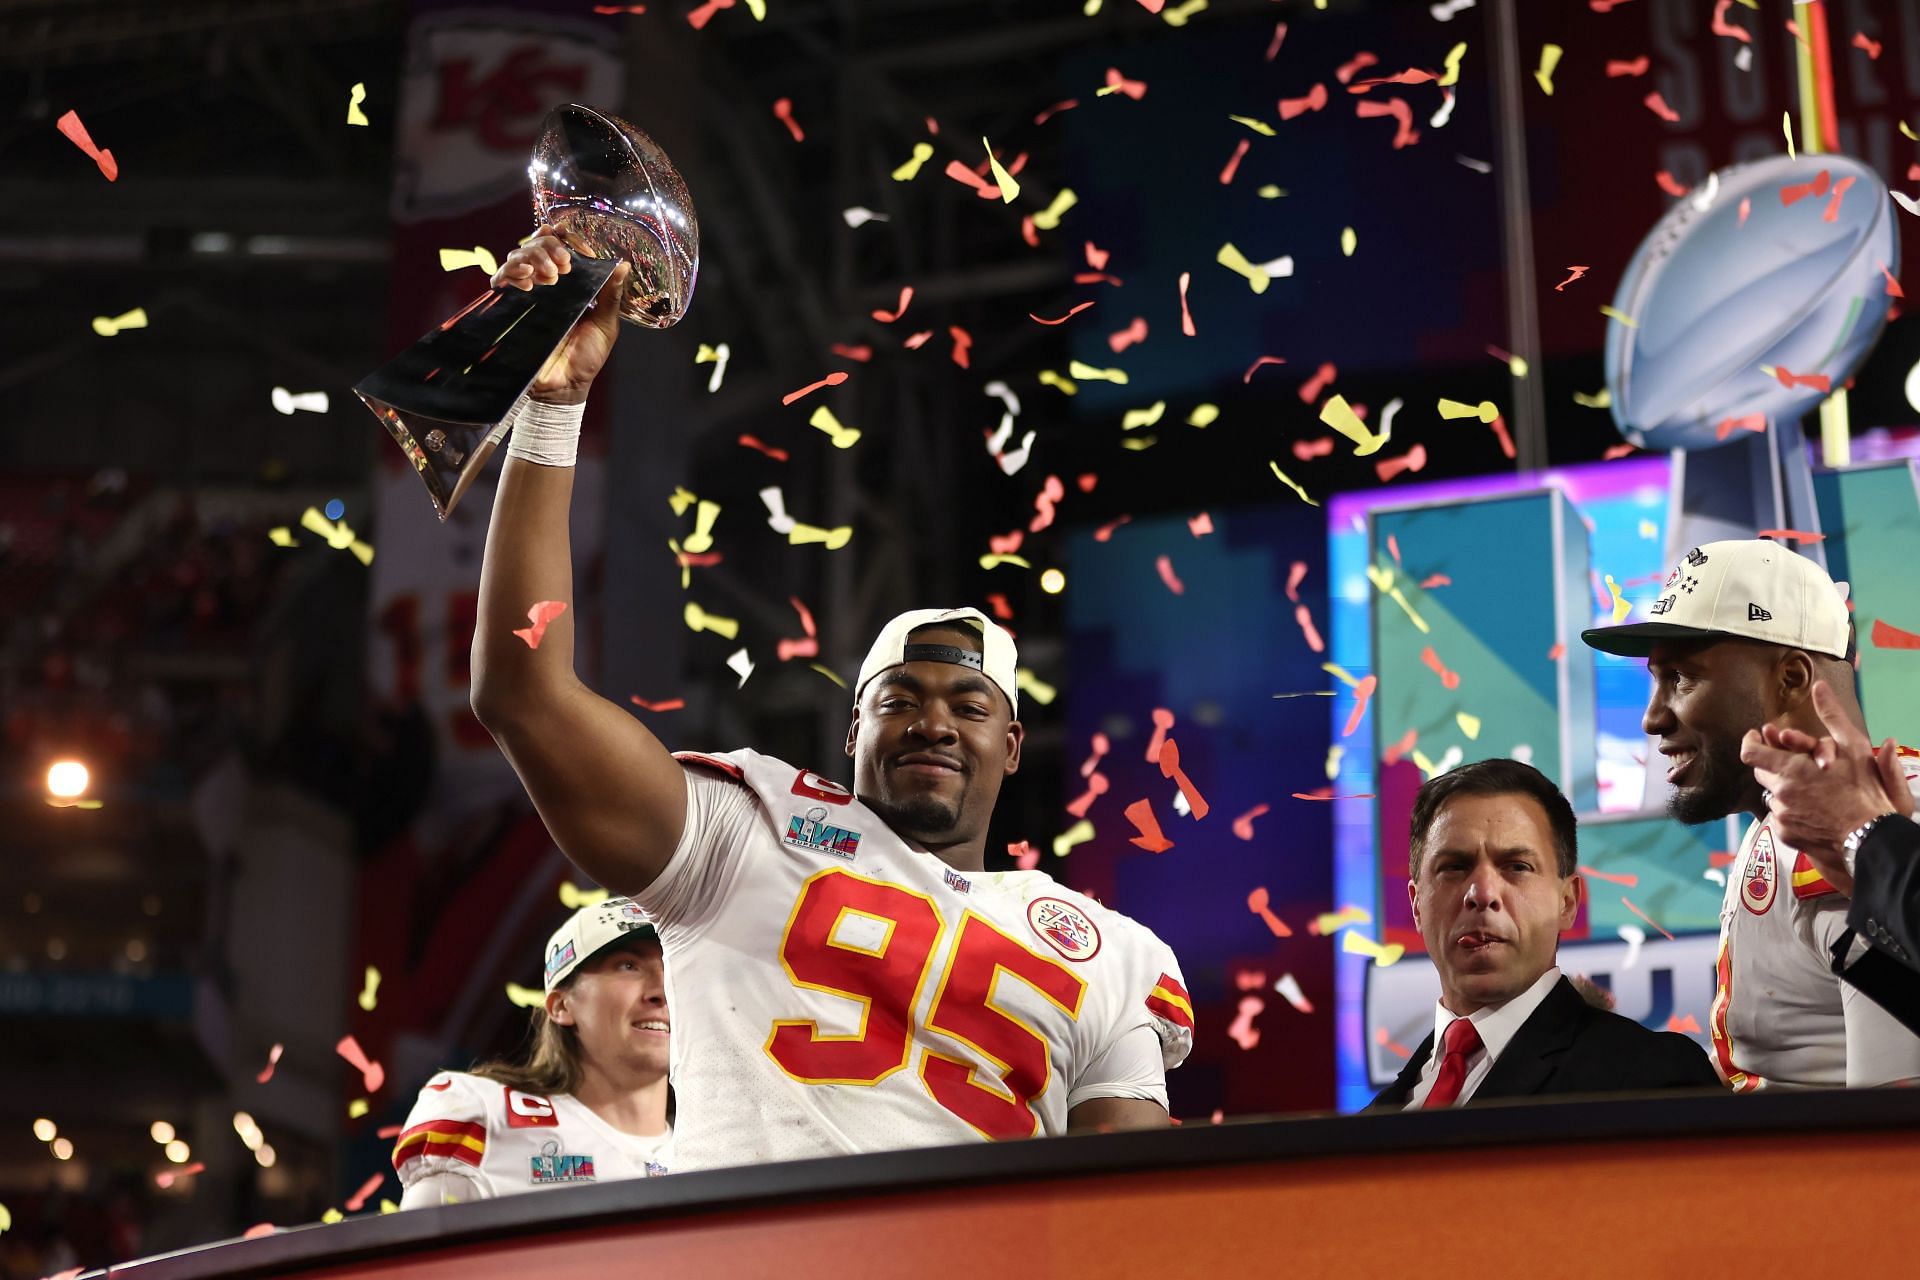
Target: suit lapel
1533 1055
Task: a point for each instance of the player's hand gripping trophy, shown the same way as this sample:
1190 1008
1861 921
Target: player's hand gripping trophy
617 233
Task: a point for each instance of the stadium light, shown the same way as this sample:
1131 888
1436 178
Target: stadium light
67 780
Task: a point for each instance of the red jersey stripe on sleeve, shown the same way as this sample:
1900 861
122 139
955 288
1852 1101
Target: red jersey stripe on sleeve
727 767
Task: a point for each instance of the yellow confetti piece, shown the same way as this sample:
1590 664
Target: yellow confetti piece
803 534
332 1216
1349 241
1354 944
1327 923
1549 59
1381 577
1139 444
1516 366
1233 260
700 541
699 619
1621 316
339 536
1339 415
829 673
1048 378
922 152
843 437
1204 415
681 498
1339 673
1176 16
573 897
1079 833
1271 192
282 537
525 997
368 993
6 1218
1486 410
1621 605
995 561
1009 189
357 1108
686 570
1419 623
1469 725
1332 768
1427 766
1143 417
356 96
1260 127
1907 130
1088 373
1049 218
386 1205
1452 64
1601 399
758 8
458 259
107 326
1649 530
1291 483
1034 687
717 357
1786 126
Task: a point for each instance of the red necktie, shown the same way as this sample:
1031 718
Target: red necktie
1462 1042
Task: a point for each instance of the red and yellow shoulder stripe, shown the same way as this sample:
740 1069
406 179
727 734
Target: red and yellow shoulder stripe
454 1139
1807 880
1170 1000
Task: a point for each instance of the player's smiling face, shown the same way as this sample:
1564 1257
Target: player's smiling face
1489 899
931 742
617 1004
1705 697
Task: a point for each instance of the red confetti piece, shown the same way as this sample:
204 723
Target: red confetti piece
1279 34
1308 450
541 615
1200 525
1135 89
1165 565
372 1074
1721 27
1029 232
367 1188
1250 979
171 1176
1556 653
1790 535
754 442
1631 881
1755 422
1043 503
1024 855
1326 793
783 111
273 1060
1096 257
1001 609
1413 460
1162 721
1105 532
1618 451
1794 192
1893 286
258 1230
1397 751
792 647
1233 161
1380 1036
1354 65
1096 277
619 8
1412 75
959 172
1870 47
1096 787
1257 902
1627 66
1435 580
1314 99
1644 916
698 18
962 344
1296 572
863 354
1658 105
1186 316
833 379
1135 332
1448 679
918 340
669 704
1140 814
1393 547
1311 389
69 124
1170 768
1243 825
1005 544
1683 1025
1055 110
1406 135
1719 857
1087 480
1888 636
1499 428
1361 692
1746 207
1577 272
1241 1030
1788 378
1670 184
1263 360
1063 319
888 317
1101 745
1304 617
1833 205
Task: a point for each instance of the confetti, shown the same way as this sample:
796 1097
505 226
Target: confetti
1478 166
1078 834
1349 241
1397 108
541 615
1469 724
783 112
1786 125
1683 1025
372 1074
754 442
699 17
1549 59
367 1188
1258 903
1162 722
1127 337
1292 484
288 402
1233 161
1243 825
1117 83
171 1176
1241 1030
1028 683
1233 260
1200 525
1280 34
717 357
1794 192
368 992
963 343
1308 450
1448 679
108 326
1413 460
460 259
699 619
1630 881
831 380
1754 422
1362 691
1054 110
1721 27
1314 99
1049 218
843 437
1354 944
1105 532
1045 503
1788 378
273 1060
76 133
1170 768
1303 617
1329 922
1658 105
1577 272
1832 213
1288 987
922 152
1260 127
805 534
1096 787
1024 855
1620 316
1870 47
741 665
1628 67
1893 286
860 216
1088 373
1888 636
1628 904
1063 319
1339 415
1164 564
1186 316
1133 419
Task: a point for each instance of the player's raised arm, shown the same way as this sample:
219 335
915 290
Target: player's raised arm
612 797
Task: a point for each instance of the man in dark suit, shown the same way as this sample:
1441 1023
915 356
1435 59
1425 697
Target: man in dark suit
1491 875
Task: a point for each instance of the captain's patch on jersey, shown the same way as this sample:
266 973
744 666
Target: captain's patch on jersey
1064 927
812 833
1761 877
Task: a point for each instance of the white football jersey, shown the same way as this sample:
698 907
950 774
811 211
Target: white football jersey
1781 1017
836 991
496 1141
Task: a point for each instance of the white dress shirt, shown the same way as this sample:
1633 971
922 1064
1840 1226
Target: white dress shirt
1497 1025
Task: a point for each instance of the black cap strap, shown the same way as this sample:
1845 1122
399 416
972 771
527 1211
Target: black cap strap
944 653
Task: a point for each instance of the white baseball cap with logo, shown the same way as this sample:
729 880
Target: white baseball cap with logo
592 930
1747 587
998 659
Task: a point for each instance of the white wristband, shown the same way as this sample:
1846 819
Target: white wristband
548 434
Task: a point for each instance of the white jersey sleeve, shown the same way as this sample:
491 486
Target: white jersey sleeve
1152 1037
443 1145
722 814
1880 1048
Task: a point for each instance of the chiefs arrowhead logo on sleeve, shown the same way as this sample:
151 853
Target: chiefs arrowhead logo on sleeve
1760 877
